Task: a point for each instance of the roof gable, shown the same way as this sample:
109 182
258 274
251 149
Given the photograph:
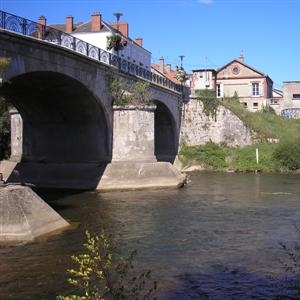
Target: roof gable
238 69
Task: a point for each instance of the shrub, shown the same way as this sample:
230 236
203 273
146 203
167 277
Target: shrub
287 153
128 93
210 102
104 275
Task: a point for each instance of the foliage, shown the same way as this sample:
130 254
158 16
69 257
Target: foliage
4 129
287 153
115 42
210 102
128 93
102 274
220 157
209 155
264 123
4 62
180 74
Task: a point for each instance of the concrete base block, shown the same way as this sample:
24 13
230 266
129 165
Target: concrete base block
140 175
6 168
25 216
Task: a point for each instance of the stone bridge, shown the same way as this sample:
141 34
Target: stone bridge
70 130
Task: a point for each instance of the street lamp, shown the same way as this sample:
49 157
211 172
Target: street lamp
118 15
181 59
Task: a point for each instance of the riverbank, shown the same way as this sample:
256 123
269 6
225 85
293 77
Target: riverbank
263 157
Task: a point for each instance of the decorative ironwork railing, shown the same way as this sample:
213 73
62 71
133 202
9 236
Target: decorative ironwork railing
52 35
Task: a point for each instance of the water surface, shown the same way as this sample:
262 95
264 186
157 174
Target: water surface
217 238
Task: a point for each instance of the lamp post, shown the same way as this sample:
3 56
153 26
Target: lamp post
181 59
182 75
118 15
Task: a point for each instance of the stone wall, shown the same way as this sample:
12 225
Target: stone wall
198 129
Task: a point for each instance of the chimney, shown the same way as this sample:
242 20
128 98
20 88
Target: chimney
168 68
69 24
96 21
139 41
42 20
123 27
41 27
161 64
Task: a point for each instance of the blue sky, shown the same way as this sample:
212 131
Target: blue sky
209 33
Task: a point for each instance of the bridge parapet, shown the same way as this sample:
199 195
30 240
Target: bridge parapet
39 31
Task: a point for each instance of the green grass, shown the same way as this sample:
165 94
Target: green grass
265 124
273 157
218 158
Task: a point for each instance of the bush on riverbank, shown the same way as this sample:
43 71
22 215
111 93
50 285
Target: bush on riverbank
221 157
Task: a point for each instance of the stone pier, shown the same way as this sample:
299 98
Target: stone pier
25 216
134 165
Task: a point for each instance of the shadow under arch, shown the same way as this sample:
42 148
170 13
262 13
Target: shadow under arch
66 134
166 134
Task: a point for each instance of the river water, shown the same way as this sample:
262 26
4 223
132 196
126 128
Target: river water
216 238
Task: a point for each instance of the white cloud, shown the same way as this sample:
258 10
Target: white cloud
205 1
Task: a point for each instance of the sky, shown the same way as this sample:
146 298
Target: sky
209 33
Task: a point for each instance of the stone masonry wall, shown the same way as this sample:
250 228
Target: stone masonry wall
198 129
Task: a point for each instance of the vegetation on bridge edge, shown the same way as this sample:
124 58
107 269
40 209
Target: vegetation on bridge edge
125 92
276 138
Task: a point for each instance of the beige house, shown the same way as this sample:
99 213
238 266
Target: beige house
253 88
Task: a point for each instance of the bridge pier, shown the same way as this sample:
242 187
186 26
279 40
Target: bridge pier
134 165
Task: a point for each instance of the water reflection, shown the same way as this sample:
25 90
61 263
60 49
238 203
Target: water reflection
218 238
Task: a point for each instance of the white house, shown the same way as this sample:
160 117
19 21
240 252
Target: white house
96 31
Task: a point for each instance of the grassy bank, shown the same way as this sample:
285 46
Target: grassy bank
277 156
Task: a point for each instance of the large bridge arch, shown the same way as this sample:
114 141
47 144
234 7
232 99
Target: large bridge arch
62 119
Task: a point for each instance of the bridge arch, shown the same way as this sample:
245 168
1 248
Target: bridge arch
62 120
165 133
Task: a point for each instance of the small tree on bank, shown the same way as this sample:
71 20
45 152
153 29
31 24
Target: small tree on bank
101 274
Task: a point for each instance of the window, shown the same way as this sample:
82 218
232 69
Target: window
219 90
296 96
255 89
255 105
245 104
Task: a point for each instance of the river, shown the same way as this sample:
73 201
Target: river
216 238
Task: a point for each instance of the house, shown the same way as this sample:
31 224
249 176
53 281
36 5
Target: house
96 31
253 88
203 79
291 99
164 70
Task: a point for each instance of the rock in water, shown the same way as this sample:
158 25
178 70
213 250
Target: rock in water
24 216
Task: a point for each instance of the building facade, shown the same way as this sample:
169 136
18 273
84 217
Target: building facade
253 88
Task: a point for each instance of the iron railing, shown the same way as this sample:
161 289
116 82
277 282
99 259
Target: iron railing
52 35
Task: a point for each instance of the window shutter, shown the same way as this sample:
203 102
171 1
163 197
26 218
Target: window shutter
260 89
